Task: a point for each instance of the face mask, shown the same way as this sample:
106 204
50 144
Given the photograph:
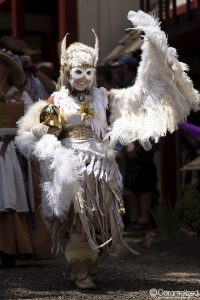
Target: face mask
78 72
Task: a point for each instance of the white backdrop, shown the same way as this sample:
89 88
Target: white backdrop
108 18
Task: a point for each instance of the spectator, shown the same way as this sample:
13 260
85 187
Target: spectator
15 200
47 68
140 185
37 84
136 164
124 70
104 77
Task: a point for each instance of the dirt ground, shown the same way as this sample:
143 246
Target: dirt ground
130 277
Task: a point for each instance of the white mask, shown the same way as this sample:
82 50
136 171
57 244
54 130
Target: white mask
78 72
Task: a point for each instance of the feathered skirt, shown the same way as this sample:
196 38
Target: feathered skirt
81 191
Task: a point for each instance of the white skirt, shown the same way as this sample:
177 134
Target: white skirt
12 188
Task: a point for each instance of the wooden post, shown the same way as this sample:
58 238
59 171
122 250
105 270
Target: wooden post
160 9
142 4
174 13
67 19
167 9
17 11
147 5
2 2
189 11
169 171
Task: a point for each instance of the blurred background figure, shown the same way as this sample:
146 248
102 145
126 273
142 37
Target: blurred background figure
37 84
47 68
136 164
22 232
124 69
16 199
140 186
104 77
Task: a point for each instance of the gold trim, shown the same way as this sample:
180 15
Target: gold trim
79 132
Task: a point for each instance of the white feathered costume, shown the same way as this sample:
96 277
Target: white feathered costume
81 183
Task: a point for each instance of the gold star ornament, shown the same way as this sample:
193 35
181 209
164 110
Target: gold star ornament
86 111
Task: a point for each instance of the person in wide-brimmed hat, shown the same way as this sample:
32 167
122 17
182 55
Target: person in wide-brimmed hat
37 84
14 205
17 46
16 75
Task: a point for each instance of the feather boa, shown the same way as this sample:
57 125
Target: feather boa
25 139
59 189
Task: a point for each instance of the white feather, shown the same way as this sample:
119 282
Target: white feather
162 95
25 139
45 148
59 192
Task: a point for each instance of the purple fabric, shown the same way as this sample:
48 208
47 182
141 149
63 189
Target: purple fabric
190 128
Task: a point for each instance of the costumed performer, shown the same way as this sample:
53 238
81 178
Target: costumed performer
81 184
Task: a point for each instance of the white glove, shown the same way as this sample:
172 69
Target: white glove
39 130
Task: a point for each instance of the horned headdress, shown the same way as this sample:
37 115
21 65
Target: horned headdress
77 54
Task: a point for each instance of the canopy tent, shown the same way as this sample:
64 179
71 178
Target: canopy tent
130 43
192 165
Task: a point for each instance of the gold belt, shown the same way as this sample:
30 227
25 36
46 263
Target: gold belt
79 132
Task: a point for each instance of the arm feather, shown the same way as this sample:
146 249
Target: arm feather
162 95
40 145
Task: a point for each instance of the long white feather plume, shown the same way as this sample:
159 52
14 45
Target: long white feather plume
162 95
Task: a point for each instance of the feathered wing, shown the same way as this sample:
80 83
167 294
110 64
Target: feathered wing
162 95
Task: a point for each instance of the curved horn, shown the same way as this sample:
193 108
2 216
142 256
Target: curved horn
63 48
96 49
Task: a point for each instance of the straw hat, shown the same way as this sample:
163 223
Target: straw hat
17 45
16 75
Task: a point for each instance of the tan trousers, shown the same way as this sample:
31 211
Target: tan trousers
81 258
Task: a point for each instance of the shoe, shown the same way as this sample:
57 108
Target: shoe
85 284
142 226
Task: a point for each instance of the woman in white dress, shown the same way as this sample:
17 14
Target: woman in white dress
14 202
81 184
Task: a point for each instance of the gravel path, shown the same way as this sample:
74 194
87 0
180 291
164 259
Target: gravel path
130 278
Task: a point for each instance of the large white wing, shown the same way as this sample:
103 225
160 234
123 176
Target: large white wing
162 95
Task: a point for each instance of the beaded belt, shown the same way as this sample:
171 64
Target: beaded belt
79 132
